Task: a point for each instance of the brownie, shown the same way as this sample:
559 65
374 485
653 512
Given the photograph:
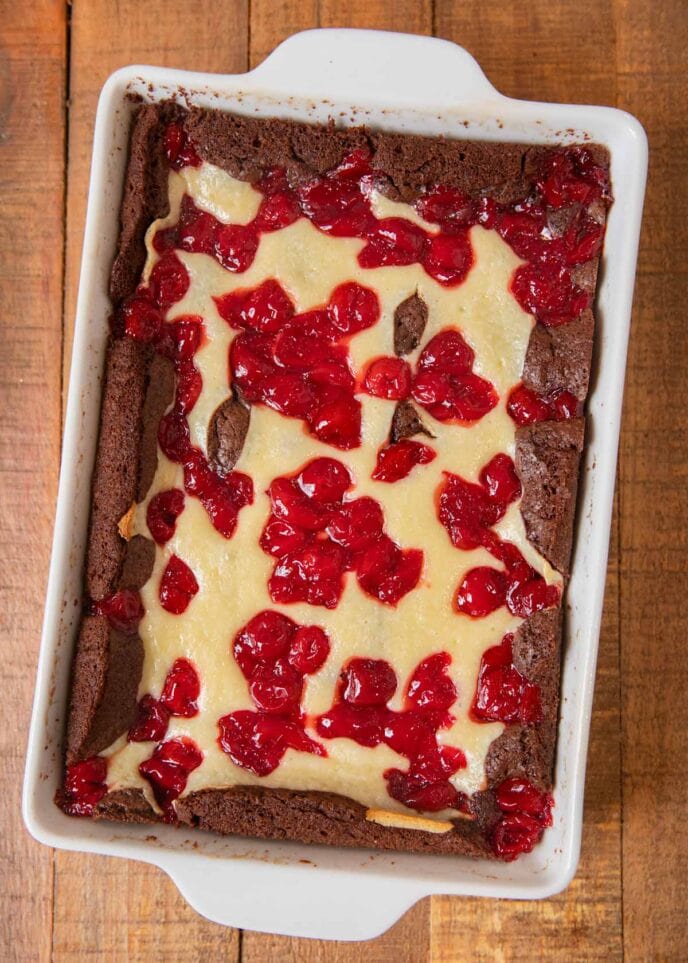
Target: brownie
139 386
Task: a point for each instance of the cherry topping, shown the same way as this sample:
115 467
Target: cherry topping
361 714
368 682
169 281
85 786
353 308
142 319
324 480
481 592
151 721
388 378
257 741
527 813
168 770
502 693
526 407
264 639
236 246
357 524
449 257
309 649
178 586
397 460
181 690
445 384
276 688
179 148
123 610
162 513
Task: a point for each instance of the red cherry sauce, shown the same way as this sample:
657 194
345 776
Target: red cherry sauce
179 698
444 382
84 786
526 407
178 586
468 512
298 364
168 770
361 713
544 285
274 654
527 812
502 693
397 460
317 536
123 610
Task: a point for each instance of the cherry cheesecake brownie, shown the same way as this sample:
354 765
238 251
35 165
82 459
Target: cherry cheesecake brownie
335 485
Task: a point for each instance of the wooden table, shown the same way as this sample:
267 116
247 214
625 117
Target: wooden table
628 899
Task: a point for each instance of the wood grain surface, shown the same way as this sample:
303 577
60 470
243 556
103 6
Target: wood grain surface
628 900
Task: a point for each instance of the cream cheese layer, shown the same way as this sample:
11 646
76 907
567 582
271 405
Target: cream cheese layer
233 574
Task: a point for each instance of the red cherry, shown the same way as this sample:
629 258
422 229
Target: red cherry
363 724
313 574
386 572
265 638
280 537
85 786
430 687
447 351
449 258
514 834
181 690
337 423
295 349
525 598
142 319
257 742
353 308
173 436
277 211
446 206
325 480
151 721
123 610
526 407
368 682
388 378
518 795
189 386
236 246
168 769
334 374
466 511
289 394
309 649
500 479
169 281
482 591
162 514
357 524
178 148
276 687
393 241
419 794
396 461
547 291
178 586
291 504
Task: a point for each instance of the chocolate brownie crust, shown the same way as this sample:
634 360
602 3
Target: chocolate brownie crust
138 388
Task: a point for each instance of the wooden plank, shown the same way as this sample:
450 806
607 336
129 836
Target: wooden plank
32 85
542 51
651 49
409 939
132 911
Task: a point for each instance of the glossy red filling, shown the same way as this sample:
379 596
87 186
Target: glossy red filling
526 407
468 512
397 461
361 713
178 586
168 770
274 654
502 693
527 812
123 610
85 786
298 364
316 537
179 697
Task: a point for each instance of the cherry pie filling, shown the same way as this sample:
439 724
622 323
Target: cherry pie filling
320 533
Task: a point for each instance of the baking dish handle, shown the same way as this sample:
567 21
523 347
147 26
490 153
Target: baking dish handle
271 900
400 69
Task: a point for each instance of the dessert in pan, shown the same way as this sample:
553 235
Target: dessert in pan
335 486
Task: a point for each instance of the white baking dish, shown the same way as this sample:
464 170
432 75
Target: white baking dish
394 82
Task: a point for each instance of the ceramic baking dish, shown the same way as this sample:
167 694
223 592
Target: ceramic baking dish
399 83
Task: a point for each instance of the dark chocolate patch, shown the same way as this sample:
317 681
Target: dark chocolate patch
227 433
406 423
138 563
410 319
105 679
547 462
